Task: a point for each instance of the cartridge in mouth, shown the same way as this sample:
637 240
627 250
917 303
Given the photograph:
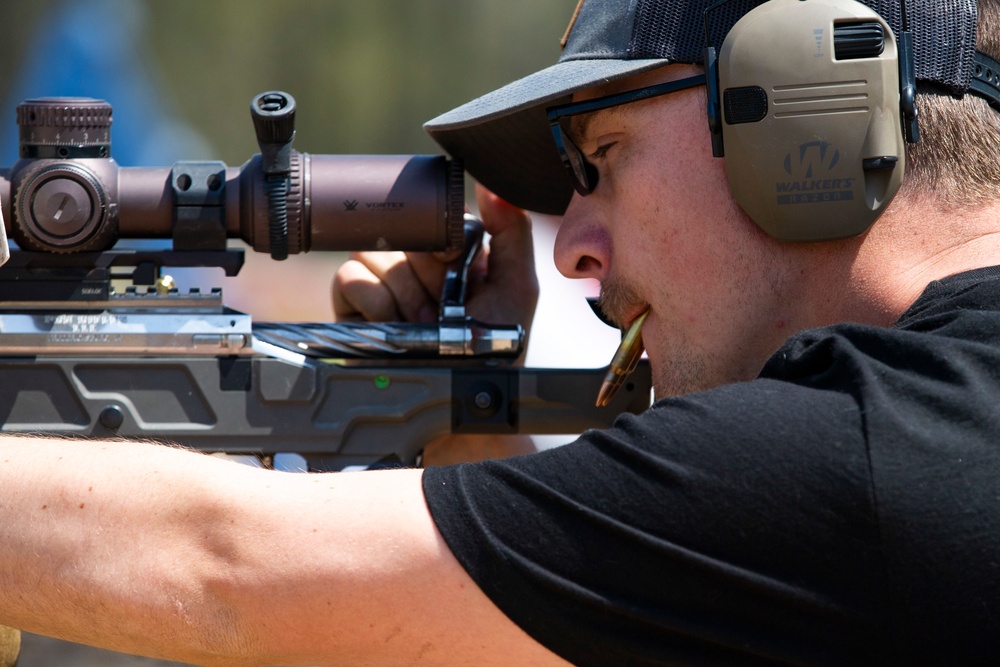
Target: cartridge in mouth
624 362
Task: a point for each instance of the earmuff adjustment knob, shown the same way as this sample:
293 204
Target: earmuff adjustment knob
852 41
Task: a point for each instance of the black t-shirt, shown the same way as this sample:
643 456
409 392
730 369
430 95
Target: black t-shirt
843 508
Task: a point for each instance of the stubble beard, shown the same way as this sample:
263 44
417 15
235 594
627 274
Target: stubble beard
618 301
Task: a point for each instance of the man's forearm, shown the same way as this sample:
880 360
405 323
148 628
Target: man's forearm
110 543
173 554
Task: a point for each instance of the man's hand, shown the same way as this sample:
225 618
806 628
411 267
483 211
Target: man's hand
406 287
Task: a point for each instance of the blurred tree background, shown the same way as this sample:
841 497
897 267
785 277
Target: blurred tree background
365 73
180 75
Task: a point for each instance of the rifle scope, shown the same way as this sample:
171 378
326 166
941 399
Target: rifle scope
66 193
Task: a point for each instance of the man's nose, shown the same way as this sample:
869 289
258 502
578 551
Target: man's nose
583 244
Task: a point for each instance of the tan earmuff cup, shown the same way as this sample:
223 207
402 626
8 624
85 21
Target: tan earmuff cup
813 138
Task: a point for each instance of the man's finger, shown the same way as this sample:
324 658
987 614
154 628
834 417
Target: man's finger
429 269
511 256
358 294
413 301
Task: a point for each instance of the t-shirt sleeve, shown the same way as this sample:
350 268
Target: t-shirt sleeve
716 527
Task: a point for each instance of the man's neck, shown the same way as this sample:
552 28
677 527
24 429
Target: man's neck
916 245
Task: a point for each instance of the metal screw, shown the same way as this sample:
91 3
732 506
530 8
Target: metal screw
484 400
111 418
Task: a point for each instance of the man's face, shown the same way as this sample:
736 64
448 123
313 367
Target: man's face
661 230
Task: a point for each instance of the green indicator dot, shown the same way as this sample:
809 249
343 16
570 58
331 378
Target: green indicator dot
382 381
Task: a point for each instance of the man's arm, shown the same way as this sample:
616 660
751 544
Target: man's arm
164 552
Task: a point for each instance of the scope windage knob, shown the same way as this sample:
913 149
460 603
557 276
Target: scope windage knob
60 128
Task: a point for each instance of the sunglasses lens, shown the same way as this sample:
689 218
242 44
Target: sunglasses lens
580 168
582 173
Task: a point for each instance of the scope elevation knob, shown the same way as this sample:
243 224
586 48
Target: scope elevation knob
60 128
63 186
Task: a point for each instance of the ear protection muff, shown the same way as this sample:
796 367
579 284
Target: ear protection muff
806 105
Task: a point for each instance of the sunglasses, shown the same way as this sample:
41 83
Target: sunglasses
582 173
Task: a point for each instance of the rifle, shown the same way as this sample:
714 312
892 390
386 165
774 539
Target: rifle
95 341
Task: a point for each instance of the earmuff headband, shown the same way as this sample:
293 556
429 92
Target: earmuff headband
986 79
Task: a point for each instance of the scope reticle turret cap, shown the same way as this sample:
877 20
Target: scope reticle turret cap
504 138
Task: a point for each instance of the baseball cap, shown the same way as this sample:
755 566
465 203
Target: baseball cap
504 139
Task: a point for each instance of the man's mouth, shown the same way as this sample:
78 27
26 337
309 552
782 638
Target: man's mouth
620 303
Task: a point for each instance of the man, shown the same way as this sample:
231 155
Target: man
831 499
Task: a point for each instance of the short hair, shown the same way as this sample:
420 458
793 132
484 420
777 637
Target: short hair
958 156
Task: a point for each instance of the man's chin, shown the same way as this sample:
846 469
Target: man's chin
680 376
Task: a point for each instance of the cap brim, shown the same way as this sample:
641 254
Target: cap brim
503 137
